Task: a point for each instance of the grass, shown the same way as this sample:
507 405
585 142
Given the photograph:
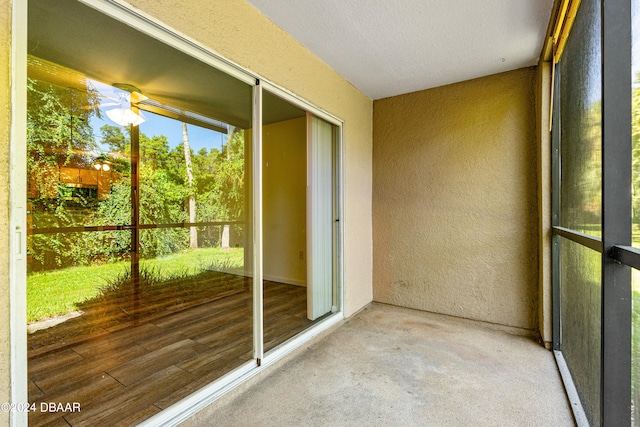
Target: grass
58 292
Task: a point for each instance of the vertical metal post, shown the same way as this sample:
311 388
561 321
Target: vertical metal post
258 342
616 212
135 216
17 230
555 213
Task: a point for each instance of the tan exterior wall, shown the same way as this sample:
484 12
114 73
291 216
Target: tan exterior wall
5 117
455 201
237 31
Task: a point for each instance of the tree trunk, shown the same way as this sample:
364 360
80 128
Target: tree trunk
225 228
193 233
225 236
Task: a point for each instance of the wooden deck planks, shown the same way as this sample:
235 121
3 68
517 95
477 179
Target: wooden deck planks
125 376
117 406
146 365
91 389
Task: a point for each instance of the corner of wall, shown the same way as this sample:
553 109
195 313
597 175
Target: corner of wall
455 200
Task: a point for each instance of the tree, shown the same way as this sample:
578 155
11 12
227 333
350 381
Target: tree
220 184
58 134
193 232
229 186
113 137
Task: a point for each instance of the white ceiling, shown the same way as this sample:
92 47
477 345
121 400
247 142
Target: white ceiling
391 47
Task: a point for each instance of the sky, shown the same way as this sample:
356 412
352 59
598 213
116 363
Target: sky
154 124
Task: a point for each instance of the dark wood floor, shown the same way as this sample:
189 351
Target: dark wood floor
127 375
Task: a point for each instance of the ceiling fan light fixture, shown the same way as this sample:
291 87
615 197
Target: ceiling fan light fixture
125 116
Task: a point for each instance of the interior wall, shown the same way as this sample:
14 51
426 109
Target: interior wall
240 33
5 118
284 162
455 201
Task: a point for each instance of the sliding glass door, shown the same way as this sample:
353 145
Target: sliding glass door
299 217
139 292
170 242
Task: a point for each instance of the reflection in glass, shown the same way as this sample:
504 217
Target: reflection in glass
580 313
580 109
284 151
139 289
298 219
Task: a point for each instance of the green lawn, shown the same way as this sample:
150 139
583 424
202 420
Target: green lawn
57 292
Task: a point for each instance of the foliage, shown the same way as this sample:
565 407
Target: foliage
60 134
57 292
221 189
635 138
58 127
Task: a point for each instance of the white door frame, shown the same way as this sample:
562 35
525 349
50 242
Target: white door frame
17 214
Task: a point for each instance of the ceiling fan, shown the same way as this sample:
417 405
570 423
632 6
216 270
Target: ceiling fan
118 98
118 105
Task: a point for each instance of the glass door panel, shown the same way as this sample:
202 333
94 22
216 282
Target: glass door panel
298 212
192 208
284 163
75 246
141 225
139 288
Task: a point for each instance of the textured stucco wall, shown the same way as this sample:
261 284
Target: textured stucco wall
455 201
237 31
5 116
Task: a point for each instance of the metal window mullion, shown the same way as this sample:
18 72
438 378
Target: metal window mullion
627 255
555 212
591 242
616 212
17 231
258 273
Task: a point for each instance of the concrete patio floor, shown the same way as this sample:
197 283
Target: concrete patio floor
390 366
